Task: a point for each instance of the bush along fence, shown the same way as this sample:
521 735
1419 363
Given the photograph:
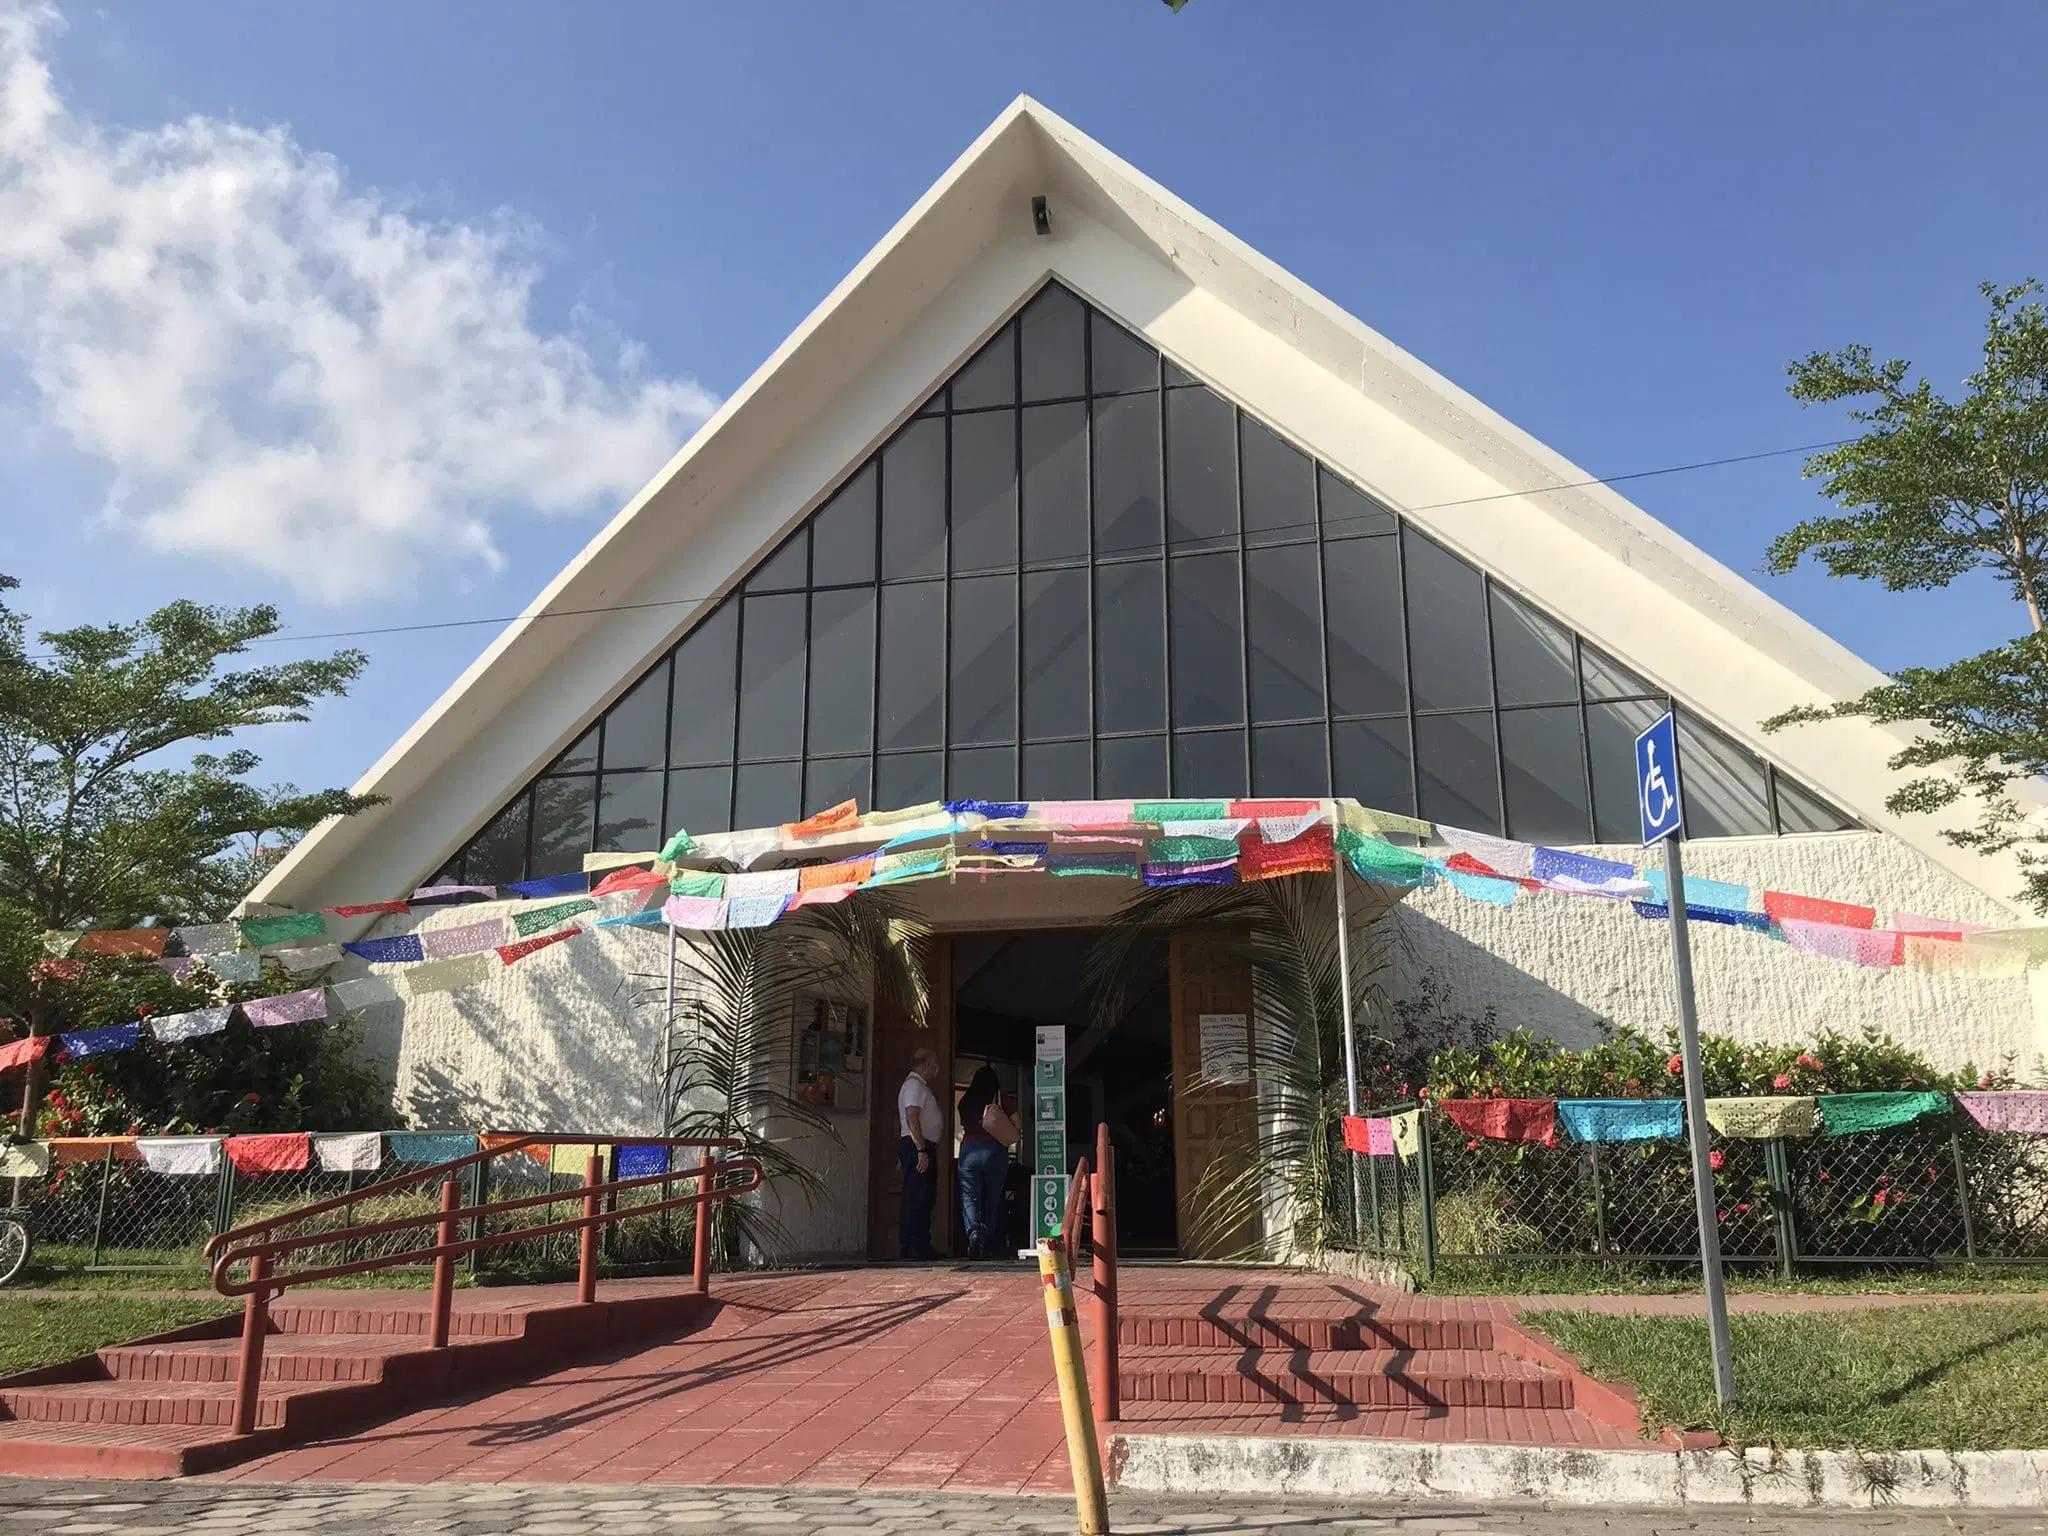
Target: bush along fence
110 1203
1801 1182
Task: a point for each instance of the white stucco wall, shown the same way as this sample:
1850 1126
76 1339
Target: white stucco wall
1564 965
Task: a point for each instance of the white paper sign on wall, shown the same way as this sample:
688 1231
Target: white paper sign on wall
1226 1047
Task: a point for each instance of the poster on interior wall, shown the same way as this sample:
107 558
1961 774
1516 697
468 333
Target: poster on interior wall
1049 1132
1226 1048
831 1047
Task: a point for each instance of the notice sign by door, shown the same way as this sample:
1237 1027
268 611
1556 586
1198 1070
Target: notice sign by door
1049 1132
1226 1048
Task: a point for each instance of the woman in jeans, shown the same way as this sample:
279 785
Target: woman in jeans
986 1134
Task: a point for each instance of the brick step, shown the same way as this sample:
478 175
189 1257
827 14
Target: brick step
1406 1422
193 1404
1346 1378
1313 1328
286 1358
327 1317
130 1451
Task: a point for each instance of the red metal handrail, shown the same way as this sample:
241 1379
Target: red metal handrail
253 1244
1092 1191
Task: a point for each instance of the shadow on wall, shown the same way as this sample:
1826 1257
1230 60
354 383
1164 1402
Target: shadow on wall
1471 978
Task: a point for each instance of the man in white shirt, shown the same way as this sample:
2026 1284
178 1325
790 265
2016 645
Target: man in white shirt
923 1132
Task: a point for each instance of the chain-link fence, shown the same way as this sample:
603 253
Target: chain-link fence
103 1209
1936 1191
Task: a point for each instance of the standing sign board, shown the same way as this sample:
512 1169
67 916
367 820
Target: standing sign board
1049 1132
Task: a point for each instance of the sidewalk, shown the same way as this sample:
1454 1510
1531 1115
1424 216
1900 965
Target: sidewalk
233 1509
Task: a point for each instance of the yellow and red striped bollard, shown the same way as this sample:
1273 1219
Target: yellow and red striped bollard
1091 1505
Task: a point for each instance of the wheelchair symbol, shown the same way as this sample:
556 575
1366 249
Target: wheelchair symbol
1658 800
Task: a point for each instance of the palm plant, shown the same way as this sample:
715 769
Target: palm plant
1286 1179
728 1071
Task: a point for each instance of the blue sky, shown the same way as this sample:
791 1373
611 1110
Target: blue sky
1613 223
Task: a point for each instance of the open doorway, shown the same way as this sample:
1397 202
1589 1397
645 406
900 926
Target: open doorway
1007 985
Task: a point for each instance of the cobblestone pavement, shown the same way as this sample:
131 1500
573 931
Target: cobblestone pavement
201 1508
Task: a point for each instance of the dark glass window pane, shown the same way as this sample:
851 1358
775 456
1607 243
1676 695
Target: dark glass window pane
1368 666
981 773
912 693
1053 358
1130 691
983 703
635 728
1281 607
1348 512
1055 482
1178 377
1126 445
1607 678
1372 767
990 376
767 794
700 726
1532 657
1056 770
563 810
1800 810
909 778
935 405
829 780
772 676
1457 772
1209 765
629 812
841 704
1288 762
1279 486
985 491
1131 767
699 800
1545 768
1446 627
1611 731
1056 654
1208 644
1723 784
498 853
579 754
1201 467
786 569
914 501
843 533
1117 359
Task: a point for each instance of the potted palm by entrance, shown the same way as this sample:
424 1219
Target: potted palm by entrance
729 1049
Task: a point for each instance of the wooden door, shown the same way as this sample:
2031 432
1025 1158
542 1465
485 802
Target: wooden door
1214 1123
896 1038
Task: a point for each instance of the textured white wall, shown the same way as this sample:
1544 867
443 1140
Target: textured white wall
1563 965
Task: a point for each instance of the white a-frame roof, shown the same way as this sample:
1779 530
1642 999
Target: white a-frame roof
937 285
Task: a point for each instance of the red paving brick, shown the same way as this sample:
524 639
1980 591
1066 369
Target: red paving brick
893 1378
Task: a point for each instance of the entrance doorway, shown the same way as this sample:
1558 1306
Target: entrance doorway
1005 986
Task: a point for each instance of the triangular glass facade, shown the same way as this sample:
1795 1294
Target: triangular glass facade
1077 571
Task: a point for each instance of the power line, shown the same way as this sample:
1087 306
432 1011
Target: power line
1138 551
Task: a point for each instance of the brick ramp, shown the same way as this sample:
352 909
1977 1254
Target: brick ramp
162 1407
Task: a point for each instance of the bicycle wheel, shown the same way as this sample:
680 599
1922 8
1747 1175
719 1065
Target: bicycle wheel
15 1243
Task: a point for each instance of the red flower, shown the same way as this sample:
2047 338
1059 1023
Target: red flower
1808 1060
145 1010
1742 1209
1720 1215
58 1101
1472 1145
1675 1065
252 1098
1406 1090
1634 1085
1879 1195
90 1069
1781 1081
1716 1158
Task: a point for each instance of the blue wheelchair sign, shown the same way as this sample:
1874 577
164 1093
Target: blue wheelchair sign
1657 795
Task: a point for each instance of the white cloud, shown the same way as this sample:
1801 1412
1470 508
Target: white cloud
288 372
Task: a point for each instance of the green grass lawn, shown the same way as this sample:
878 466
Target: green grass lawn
38 1330
1581 1277
1907 1378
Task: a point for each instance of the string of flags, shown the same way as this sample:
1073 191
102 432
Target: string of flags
1594 1122
711 883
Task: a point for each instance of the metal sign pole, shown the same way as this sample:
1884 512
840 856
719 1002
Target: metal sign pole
1350 1046
666 1066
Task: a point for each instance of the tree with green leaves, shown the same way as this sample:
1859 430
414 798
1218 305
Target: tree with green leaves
112 810
1935 490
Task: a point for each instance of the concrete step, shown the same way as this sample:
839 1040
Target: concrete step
1306 1326
1343 1378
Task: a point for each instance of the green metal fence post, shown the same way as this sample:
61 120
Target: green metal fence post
224 1196
1379 1234
1422 1159
1599 1203
479 1182
99 1220
1955 1152
1778 1175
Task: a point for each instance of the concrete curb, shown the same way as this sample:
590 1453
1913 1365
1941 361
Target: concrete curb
1301 1465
